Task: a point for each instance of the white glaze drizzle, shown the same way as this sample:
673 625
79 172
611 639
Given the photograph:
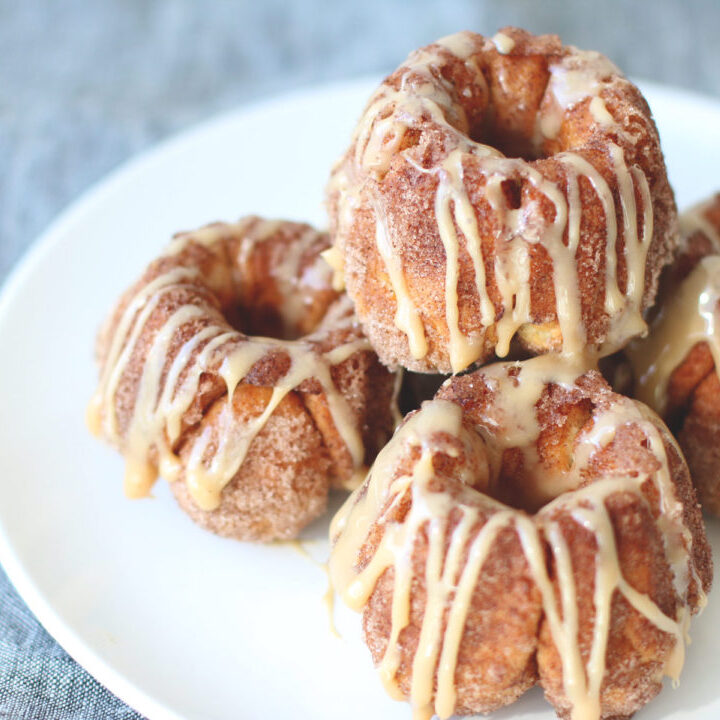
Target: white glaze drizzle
163 397
579 75
437 429
600 112
504 43
423 99
407 317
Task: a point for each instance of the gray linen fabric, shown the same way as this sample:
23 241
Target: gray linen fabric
85 85
38 679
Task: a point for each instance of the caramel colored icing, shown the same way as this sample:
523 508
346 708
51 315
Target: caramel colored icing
504 43
688 317
457 551
423 98
688 314
182 342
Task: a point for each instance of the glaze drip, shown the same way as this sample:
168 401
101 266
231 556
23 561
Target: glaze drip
423 100
177 359
687 315
691 318
457 552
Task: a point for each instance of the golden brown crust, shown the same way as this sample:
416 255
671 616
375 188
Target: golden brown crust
280 487
265 277
496 99
507 644
699 437
496 660
563 415
693 389
488 676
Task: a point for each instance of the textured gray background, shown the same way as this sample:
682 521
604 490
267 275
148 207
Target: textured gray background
85 84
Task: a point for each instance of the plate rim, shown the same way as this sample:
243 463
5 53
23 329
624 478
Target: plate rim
20 577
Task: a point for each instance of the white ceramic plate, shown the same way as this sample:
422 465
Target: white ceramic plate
177 622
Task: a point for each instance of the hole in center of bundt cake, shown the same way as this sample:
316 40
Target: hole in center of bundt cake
531 476
264 320
511 143
511 117
267 313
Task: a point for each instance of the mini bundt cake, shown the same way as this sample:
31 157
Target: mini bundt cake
676 366
527 526
501 187
252 430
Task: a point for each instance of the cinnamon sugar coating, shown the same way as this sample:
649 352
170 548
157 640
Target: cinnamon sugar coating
501 187
251 430
691 397
522 500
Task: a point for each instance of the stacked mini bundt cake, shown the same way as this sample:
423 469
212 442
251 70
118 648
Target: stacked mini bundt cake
497 188
676 366
252 430
527 525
